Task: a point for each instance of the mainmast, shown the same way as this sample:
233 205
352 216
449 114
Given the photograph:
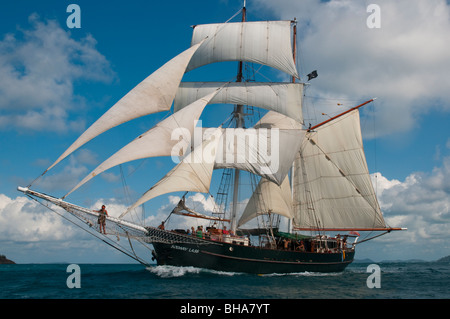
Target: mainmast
239 122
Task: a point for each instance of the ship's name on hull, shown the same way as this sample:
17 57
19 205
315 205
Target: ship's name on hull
189 250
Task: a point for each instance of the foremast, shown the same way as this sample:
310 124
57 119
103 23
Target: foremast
239 123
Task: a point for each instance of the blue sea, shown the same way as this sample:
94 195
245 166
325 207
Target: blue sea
187 292
185 285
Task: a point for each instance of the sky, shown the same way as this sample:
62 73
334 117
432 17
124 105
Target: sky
56 80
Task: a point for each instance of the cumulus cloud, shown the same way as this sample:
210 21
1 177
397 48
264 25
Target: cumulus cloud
24 220
421 203
39 67
404 63
30 232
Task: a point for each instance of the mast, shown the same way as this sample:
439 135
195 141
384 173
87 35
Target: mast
238 116
294 49
294 43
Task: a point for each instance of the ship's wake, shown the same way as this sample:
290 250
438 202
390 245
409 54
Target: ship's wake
175 271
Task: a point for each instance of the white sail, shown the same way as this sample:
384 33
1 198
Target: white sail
268 153
152 95
277 120
157 141
268 198
192 174
262 42
332 186
284 98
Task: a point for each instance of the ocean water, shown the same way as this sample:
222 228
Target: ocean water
420 280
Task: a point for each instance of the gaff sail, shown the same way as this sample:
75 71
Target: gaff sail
332 186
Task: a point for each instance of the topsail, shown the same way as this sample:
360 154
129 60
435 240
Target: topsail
262 42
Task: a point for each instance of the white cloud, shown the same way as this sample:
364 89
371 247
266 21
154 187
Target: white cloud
404 63
30 232
24 220
421 203
39 67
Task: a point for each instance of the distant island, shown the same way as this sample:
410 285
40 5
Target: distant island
444 260
370 261
4 260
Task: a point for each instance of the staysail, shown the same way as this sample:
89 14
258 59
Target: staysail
157 141
268 198
262 42
277 120
192 174
332 186
152 95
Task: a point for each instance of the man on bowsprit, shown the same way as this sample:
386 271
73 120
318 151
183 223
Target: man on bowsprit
102 218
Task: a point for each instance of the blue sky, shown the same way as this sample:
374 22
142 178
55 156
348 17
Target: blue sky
55 81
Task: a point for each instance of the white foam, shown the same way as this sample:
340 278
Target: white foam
175 271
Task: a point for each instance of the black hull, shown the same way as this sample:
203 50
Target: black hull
248 259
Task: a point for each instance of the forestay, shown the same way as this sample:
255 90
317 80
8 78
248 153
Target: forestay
262 42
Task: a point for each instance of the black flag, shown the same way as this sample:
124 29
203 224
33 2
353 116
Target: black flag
312 75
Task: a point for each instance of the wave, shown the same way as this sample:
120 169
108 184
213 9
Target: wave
180 271
303 274
184 271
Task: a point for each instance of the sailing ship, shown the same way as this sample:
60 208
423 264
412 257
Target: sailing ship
312 180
